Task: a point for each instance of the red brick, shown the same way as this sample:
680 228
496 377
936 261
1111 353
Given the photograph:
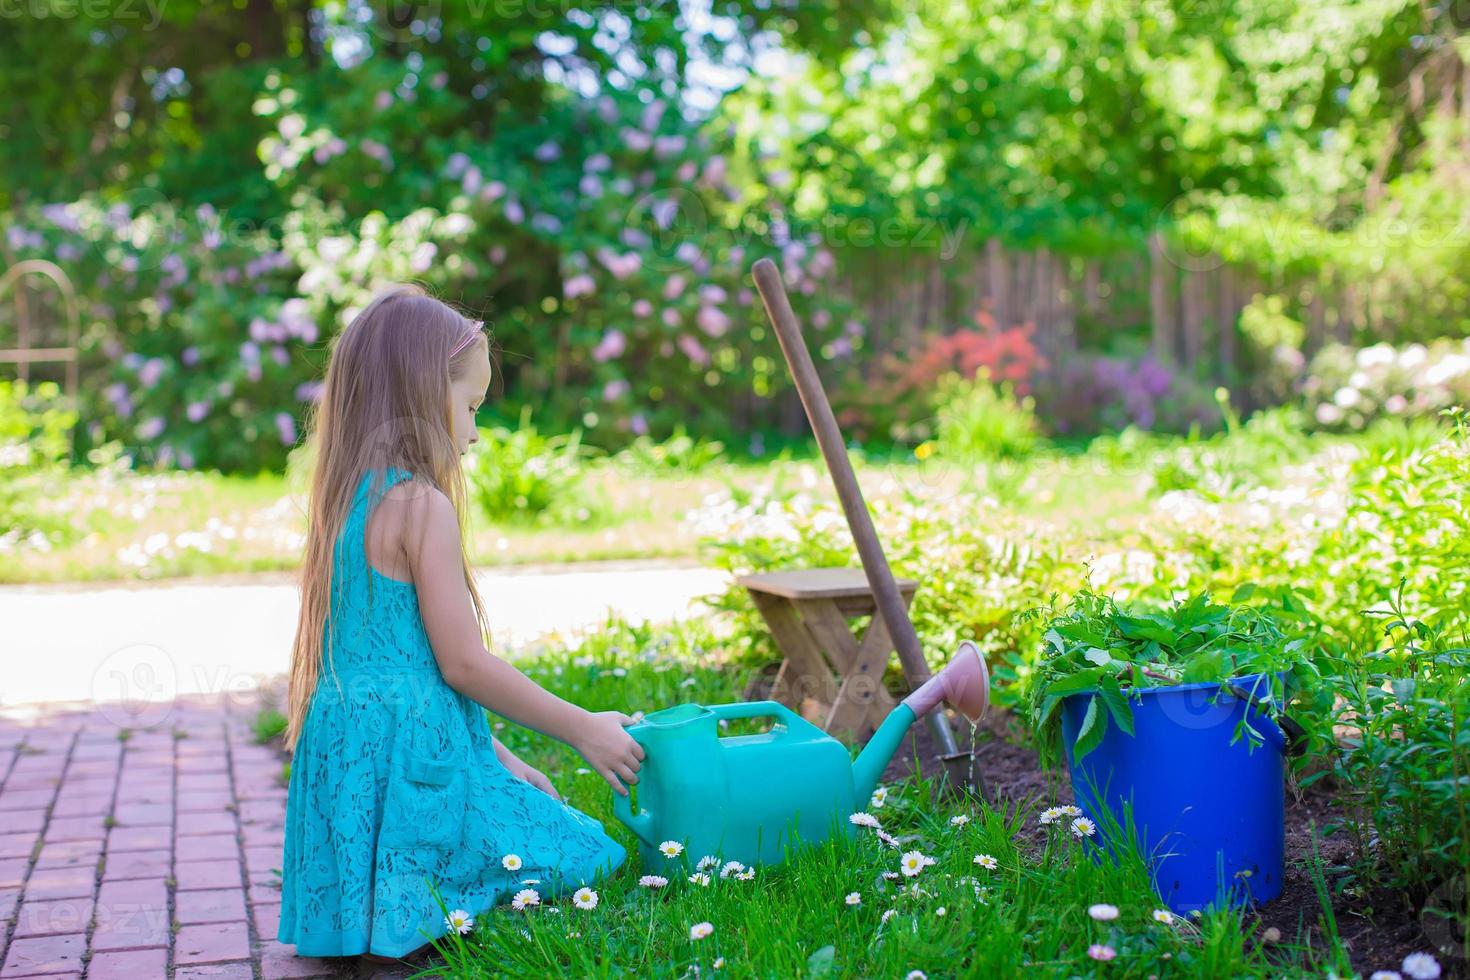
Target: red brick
267 920
221 873
216 942
70 854
25 799
210 905
191 824
76 828
281 962
218 971
128 964
144 815
18 845
44 954
79 881
138 838
53 918
136 864
206 847
132 915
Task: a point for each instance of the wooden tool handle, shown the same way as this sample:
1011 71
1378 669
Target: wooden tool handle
834 450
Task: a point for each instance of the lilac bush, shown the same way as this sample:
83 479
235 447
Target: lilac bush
1086 394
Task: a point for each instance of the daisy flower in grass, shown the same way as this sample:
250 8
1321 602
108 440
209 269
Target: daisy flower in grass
1050 815
890 875
1386 975
854 898
863 819
1102 912
700 930
959 820
1420 966
1100 951
880 796
917 975
653 881
719 963
941 911
1164 916
708 861
912 863
886 837
460 921
987 862
511 862
671 848
745 875
883 919
585 898
524 899
699 878
730 868
1082 827
1069 810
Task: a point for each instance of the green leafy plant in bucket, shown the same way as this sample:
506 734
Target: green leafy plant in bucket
1095 646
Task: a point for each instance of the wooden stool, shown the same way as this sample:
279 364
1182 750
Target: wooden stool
827 671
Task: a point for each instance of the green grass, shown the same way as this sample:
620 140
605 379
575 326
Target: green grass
1029 914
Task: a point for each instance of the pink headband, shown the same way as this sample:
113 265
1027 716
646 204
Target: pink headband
470 335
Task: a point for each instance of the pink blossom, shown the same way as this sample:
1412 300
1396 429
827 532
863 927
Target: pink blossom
686 171
579 285
821 319
710 293
259 330
636 141
190 356
614 390
472 180
712 320
612 345
383 100
497 254
197 410
423 256
280 355
642 307
286 428
492 191
590 186
714 171
150 428
670 317
674 288
693 350
151 372
640 425
1099 951
514 213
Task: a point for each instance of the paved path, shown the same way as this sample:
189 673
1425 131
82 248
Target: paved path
140 823
154 642
153 856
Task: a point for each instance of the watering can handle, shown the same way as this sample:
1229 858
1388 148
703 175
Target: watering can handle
641 824
756 709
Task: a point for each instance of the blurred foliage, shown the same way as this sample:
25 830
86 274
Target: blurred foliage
36 425
523 475
979 419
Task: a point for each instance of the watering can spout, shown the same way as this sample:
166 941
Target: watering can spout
964 683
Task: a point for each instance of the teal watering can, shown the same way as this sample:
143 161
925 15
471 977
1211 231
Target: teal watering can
754 798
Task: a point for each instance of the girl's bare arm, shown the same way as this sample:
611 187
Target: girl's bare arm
432 545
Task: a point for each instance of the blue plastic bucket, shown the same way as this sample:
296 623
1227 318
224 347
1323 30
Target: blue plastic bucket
1210 816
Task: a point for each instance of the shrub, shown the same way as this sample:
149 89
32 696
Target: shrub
521 476
1088 394
35 443
976 419
1345 389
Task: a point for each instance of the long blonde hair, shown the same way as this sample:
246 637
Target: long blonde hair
385 402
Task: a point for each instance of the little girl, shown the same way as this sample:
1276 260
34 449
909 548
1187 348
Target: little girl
396 780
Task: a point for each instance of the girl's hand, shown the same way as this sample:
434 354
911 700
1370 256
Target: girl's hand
532 775
611 752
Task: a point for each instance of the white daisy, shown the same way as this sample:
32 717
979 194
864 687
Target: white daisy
1164 916
460 921
1069 811
883 920
890 875
959 820
585 898
719 963
511 862
530 881
987 862
917 975
525 898
886 837
730 868
653 881
1102 912
1386 975
863 819
708 861
699 878
1050 815
746 875
941 911
671 848
880 796
912 863
854 898
700 929
1420 966
1082 827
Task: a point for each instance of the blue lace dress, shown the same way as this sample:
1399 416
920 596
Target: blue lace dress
395 784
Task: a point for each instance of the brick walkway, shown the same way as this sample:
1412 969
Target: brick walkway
142 845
